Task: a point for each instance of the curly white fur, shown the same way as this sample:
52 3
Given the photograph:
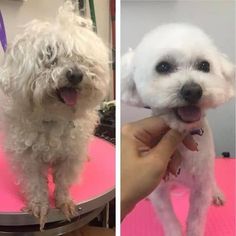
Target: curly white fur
142 84
41 130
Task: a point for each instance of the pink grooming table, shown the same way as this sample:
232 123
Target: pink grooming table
94 190
142 221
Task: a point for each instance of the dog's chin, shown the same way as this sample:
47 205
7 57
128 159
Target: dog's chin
182 118
188 114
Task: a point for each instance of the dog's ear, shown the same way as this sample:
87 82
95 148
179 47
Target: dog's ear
15 65
129 93
228 70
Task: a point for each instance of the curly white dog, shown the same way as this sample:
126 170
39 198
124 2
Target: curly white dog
177 71
55 76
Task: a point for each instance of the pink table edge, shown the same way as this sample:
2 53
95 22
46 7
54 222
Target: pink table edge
92 203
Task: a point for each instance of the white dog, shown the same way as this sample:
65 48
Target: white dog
55 76
177 71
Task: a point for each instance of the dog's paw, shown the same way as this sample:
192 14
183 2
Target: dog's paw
218 199
38 210
174 230
68 208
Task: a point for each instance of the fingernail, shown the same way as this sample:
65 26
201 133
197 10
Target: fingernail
166 177
197 148
178 171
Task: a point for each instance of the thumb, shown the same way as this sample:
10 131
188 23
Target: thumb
167 145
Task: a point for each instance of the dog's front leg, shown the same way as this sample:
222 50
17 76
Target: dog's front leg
200 199
35 189
161 201
64 173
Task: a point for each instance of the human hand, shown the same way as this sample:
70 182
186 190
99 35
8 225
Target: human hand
146 150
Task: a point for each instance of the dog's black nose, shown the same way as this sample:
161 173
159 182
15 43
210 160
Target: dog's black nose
74 76
191 92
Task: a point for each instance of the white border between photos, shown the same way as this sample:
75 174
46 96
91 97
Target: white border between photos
118 124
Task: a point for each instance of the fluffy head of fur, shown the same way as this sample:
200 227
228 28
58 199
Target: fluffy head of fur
40 60
169 58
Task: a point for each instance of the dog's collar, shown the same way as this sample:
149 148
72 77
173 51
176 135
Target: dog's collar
49 122
70 123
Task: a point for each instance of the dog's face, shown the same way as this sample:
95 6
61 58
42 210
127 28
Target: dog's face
177 71
61 66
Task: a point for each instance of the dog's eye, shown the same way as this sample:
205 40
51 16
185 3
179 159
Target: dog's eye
54 61
49 52
164 67
50 56
204 66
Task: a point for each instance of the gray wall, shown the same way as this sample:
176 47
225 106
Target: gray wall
17 13
216 17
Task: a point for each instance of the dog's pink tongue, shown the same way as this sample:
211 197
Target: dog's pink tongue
189 113
69 95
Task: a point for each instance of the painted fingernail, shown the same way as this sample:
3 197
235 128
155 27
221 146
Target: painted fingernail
178 171
166 177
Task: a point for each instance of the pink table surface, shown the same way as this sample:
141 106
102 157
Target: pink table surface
142 221
98 178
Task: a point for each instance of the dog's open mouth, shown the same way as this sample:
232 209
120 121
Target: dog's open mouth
68 95
188 114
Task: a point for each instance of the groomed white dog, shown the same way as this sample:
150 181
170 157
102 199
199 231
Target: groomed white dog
178 72
54 75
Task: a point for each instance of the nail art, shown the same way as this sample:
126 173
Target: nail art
178 171
166 177
199 132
